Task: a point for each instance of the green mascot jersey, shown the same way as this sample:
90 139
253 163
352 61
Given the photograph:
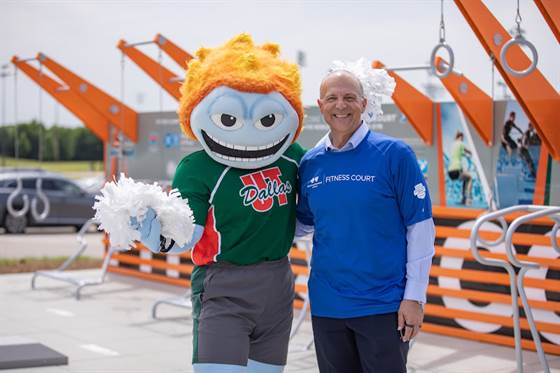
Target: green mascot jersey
248 215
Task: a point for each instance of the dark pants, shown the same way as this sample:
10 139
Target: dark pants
369 344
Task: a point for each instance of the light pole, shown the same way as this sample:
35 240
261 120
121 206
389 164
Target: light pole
3 76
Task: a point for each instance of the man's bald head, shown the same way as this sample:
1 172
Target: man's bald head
338 74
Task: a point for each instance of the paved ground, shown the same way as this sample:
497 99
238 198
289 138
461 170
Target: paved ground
111 329
38 242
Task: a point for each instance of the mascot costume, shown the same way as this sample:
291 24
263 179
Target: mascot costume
242 103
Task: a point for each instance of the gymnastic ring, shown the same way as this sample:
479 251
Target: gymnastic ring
450 65
46 203
519 39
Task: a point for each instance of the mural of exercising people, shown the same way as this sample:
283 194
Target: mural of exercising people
518 158
455 169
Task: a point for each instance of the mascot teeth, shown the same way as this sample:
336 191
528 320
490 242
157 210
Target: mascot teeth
239 152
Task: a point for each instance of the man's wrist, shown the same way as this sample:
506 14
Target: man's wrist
416 301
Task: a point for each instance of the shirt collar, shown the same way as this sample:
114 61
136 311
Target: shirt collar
354 140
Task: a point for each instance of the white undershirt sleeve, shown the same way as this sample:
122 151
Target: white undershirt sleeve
419 252
303 230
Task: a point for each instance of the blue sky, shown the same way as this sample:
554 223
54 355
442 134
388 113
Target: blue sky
82 35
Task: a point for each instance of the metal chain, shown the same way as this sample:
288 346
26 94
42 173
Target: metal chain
518 19
3 76
120 135
441 25
160 60
491 199
40 119
16 139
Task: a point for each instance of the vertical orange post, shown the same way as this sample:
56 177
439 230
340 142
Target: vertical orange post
441 161
540 182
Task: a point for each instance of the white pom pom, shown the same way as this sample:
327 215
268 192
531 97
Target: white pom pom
376 83
125 198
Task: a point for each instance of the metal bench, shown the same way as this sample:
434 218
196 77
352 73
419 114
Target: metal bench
60 273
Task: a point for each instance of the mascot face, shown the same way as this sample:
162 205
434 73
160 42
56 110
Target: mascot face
244 130
242 103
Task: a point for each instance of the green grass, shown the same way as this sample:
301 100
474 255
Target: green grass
62 167
32 264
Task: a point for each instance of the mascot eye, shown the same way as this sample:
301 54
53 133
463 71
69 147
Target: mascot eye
268 121
227 121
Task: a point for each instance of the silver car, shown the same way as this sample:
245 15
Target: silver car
69 204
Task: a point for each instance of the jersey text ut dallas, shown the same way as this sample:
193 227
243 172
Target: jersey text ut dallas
261 187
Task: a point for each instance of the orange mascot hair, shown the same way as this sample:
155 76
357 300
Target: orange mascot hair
240 65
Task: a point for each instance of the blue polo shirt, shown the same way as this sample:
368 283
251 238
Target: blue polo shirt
360 202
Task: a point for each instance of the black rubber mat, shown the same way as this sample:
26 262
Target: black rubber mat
29 355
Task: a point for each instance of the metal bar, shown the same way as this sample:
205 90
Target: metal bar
128 45
409 68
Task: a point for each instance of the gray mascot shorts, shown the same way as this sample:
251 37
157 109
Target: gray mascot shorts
242 312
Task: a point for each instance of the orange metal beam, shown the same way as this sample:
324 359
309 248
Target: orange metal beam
180 56
537 97
476 104
69 99
550 10
441 168
418 108
540 182
108 106
163 76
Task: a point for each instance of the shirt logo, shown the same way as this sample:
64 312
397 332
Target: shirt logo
261 187
349 177
420 191
314 182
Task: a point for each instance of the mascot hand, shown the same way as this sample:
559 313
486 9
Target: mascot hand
150 230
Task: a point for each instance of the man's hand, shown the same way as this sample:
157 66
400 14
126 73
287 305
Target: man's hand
411 315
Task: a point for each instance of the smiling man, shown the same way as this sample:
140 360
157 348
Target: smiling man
366 199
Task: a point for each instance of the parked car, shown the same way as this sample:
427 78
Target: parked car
69 203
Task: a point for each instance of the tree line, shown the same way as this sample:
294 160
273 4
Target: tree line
58 143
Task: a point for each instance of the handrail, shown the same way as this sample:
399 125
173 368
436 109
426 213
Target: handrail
526 266
534 214
474 239
516 281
